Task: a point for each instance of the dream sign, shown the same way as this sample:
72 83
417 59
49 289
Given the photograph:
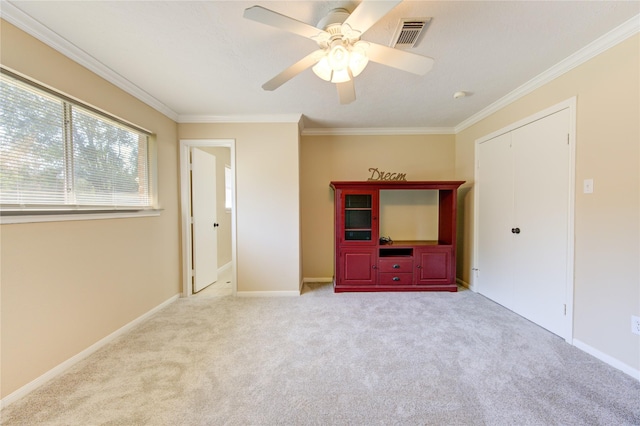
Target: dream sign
378 175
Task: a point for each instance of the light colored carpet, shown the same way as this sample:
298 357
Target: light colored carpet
336 359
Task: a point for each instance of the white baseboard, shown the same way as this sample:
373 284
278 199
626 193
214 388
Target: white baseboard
607 359
61 368
268 293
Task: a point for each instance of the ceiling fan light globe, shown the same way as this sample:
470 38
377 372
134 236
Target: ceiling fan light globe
358 59
358 66
322 69
341 76
338 57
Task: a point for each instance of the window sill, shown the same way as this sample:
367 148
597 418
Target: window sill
61 216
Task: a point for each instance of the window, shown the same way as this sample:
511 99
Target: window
57 154
228 189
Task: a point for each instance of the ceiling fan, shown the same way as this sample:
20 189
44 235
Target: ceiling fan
342 54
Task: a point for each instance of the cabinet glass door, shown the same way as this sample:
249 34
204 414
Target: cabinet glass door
357 217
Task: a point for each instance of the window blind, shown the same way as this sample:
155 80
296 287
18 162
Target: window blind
59 154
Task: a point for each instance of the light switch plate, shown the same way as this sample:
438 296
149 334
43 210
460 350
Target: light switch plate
635 324
588 186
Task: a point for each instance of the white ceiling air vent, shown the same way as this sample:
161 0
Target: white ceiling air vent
409 31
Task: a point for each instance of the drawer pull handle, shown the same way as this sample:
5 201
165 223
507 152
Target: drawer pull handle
396 266
396 278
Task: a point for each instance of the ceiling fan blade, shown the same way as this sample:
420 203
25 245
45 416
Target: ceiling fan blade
368 13
293 70
277 20
346 92
405 61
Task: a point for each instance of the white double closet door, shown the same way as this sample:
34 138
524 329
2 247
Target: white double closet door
524 202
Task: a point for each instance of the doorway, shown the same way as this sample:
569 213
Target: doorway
225 223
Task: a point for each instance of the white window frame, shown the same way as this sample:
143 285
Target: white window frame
228 188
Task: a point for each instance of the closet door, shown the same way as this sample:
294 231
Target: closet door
541 213
523 220
495 239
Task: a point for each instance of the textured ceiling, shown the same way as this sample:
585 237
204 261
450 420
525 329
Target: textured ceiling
203 58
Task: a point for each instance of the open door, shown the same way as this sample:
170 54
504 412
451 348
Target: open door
204 226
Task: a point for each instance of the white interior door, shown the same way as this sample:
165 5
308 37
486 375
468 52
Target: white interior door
524 193
495 240
541 213
204 219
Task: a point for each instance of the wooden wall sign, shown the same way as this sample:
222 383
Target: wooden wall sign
378 175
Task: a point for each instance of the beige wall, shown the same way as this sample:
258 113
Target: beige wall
267 201
333 158
607 231
223 158
66 285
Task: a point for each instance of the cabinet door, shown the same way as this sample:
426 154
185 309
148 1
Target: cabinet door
358 221
356 266
434 265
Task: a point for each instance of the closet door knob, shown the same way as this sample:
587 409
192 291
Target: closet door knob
515 230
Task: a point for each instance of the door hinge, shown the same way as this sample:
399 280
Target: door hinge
565 309
568 136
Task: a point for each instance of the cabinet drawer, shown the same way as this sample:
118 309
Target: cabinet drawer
395 265
400 278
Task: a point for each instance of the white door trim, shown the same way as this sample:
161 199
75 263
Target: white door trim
570 104
185 202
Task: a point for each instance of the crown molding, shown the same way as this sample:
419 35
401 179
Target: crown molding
375 131
26 23
607 41
266 118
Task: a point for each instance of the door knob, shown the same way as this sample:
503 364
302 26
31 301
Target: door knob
215 225
515 230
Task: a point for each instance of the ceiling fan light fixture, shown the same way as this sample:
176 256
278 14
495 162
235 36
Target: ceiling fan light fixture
341 76
358 59
341 62
338 56
322 69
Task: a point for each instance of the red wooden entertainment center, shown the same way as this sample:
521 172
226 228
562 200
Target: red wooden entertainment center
365 263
